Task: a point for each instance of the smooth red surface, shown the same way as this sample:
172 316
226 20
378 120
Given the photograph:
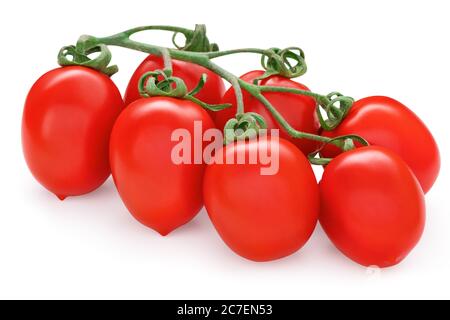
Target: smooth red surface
383 121
158 193
298 110
191 73
67 121
372 206
263 218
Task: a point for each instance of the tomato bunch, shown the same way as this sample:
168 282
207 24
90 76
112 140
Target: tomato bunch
164 145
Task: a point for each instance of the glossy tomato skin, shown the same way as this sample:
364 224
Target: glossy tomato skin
263 217
159 193
383 121
191 73
66 126
298 110
372 206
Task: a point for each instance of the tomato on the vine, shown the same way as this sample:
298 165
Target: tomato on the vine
67 122
191 73
383 121
159 192
298 110
372 206
262 217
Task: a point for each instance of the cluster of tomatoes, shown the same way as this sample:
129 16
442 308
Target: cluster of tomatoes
77 129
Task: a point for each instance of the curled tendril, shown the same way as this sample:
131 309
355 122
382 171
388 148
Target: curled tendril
159 84
244 127
345 143
79 56
278 62
196 41
336 107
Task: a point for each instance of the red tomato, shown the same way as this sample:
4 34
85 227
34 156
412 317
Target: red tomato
263 217
191 73
67 121
159 193
298 110
383 121
372 206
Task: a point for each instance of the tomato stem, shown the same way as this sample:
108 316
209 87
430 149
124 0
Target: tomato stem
256 91
200 51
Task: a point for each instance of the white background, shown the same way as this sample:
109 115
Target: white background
90 247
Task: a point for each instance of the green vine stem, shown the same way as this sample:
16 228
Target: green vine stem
202 59
200 51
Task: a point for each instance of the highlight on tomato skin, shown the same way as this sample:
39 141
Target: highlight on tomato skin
262 217
159 193
385 122
298 110
67 120
372 206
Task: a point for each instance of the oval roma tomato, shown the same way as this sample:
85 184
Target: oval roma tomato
298 110
67 122
191 73
372 206
262 217
385 122
160 192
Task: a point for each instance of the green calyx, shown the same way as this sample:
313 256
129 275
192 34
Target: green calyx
196 40
158 83
79 56
161 84
289 63
336 107
244 127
